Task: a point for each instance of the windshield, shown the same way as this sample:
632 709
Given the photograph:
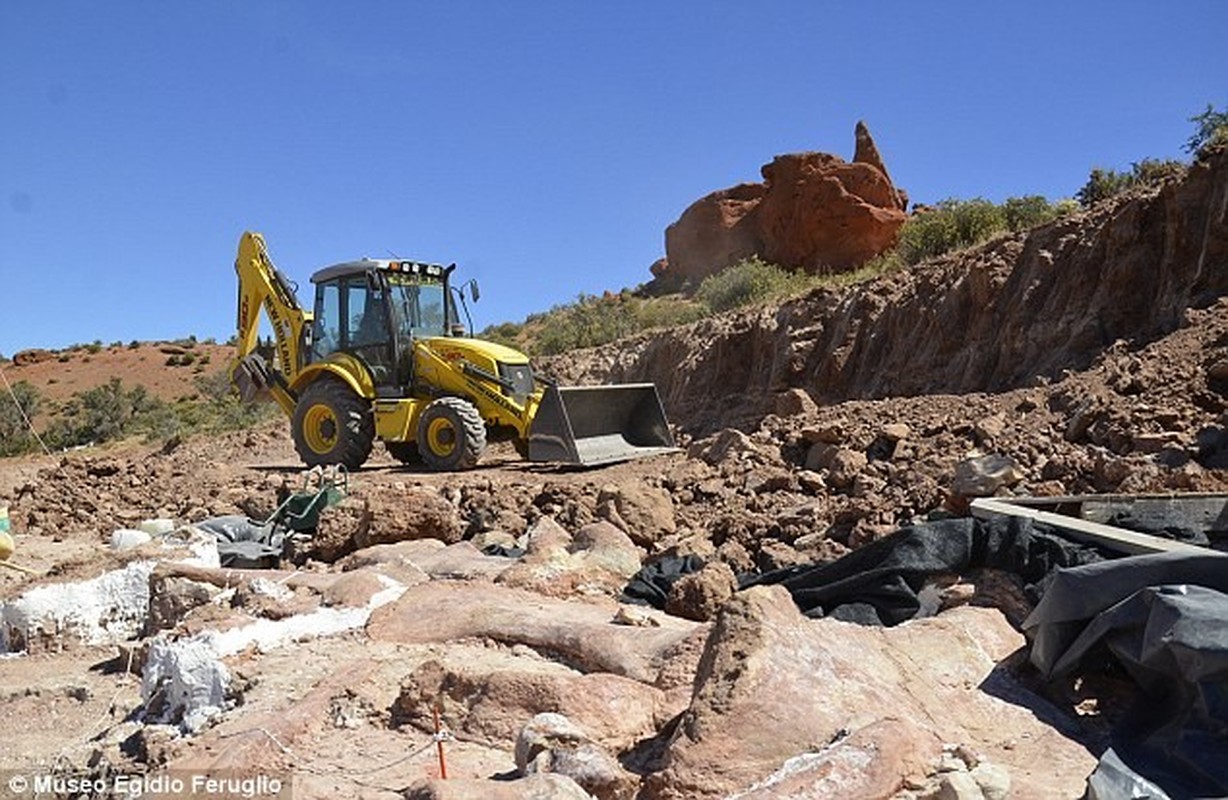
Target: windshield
420 307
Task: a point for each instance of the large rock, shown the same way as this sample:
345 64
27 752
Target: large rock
581 632
597 560
814 211
384 516
774 686
553 744
486 695
824 215
645 513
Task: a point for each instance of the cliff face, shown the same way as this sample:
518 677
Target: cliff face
1000 316
814 212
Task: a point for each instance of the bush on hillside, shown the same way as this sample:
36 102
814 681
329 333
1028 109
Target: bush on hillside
1210 130
1022 213
954 224
950 225
1105 183
588 322
667 312
17 411
505 333
110 412
750 281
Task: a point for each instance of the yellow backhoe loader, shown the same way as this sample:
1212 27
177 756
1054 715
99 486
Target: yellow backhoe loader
384 356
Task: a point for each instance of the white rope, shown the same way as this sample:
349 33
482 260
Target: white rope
22 411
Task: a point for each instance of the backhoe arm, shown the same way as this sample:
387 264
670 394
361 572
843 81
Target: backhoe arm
261 284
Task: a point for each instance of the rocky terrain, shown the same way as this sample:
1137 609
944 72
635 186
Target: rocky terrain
1091 355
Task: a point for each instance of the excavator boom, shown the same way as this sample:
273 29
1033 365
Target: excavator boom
262 285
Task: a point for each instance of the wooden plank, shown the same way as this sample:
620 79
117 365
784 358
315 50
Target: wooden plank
1106 536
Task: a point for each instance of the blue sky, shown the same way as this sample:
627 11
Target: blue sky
543 146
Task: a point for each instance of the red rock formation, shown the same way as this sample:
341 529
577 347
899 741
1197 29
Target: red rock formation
814 211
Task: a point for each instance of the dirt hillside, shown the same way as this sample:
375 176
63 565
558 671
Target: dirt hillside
166 369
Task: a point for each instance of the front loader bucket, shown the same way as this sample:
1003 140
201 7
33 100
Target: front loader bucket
591 425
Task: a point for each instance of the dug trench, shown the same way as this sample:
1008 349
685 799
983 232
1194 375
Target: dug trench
1089 355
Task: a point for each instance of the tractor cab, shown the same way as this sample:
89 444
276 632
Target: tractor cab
374 309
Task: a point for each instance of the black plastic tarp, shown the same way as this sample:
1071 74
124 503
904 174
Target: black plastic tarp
242 543
1164 619
650 586
879 583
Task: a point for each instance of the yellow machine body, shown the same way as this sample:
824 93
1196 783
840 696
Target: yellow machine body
411 380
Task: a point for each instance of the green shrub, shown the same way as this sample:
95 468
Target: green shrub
1101 185
111 411
172 360
751 280
588 322
1105 183
950 225
1022 213
134 345
667 312
94 347
1154 171
1210 129
95 415
17 411
505 333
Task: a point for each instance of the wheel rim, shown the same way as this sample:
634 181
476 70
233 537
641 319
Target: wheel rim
441 437
320 429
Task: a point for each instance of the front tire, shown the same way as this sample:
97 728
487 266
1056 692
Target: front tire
332 425
451 435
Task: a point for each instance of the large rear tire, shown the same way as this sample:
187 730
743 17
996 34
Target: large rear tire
451 435
332 425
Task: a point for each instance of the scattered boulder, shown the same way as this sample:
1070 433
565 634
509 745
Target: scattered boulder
171 597
597 560
645 513
418 560
699 595
551 743
485 695
842 464
381 516
795 403
983 476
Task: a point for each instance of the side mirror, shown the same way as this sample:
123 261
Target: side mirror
473 289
